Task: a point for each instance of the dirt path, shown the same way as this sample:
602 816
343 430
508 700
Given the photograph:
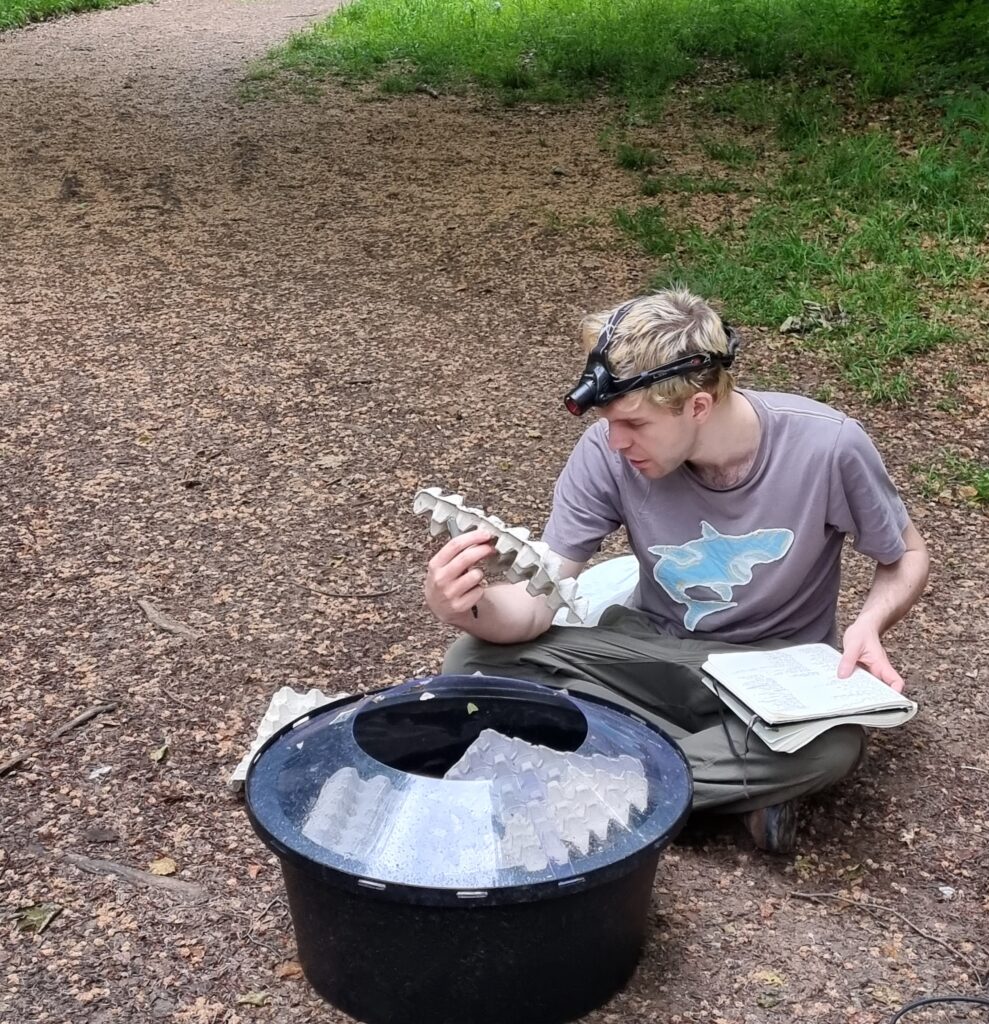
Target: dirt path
233 340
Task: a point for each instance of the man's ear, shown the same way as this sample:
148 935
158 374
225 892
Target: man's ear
699 406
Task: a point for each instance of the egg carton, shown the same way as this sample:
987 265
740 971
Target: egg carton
618 779
517 556
549 802
397 828
347 812
284 707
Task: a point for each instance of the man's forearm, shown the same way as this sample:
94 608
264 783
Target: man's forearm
895 590
507 614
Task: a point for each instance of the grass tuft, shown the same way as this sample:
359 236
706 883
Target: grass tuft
689 184
953 475
16 13
635 158
648 226
731 153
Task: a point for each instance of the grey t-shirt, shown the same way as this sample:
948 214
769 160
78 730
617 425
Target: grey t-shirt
758 560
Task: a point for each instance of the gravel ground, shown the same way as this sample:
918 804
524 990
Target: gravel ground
235 338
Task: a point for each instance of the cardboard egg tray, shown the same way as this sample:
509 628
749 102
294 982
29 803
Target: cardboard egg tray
549 803
284 707
517 556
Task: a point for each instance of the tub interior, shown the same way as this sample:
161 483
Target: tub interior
427 737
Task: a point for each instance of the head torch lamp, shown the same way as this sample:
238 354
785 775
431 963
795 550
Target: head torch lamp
599 386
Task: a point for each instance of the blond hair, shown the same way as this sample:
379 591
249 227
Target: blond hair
657 329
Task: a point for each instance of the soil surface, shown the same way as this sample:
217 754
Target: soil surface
235 338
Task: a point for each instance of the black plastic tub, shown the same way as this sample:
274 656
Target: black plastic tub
515 890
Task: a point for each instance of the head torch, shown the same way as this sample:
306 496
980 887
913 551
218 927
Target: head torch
599 386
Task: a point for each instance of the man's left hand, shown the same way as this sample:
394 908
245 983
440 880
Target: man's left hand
861 646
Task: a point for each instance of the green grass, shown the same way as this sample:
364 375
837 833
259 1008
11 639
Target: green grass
731 153
805 116
745 104
956 476
15 13
635 158
892 229
561 49
649 227
690 184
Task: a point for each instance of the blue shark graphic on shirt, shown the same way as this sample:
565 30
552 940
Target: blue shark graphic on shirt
717 561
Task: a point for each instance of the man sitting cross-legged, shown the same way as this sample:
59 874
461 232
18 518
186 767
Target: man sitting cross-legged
736 504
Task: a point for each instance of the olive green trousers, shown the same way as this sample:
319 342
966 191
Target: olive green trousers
624 660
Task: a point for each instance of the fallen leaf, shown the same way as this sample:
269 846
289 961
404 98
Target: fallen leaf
254 870
769 977
38 918
253 999
163 866
886 996
92 994
290 970
159 753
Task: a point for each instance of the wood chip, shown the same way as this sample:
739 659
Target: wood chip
166 622
134 876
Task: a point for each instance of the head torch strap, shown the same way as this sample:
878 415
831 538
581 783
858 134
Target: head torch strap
599 386
681 367
608 331
695 362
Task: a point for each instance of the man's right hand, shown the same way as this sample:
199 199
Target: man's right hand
455 580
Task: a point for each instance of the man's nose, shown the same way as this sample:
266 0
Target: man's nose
616 439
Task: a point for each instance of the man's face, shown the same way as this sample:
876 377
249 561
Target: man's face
654 440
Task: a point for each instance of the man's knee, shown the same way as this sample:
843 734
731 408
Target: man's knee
465 655
841 751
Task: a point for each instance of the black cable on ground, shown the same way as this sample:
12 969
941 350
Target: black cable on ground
933 1000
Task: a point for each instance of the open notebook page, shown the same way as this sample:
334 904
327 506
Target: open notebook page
798 683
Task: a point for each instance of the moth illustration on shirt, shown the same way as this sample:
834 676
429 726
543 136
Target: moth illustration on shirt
718 562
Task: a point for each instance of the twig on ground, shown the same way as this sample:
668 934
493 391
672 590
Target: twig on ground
972 768
166 622
358 504
268 906
871 909
82 718
249 935
184 890
14 762
9 765
342 593
261 944
171 695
